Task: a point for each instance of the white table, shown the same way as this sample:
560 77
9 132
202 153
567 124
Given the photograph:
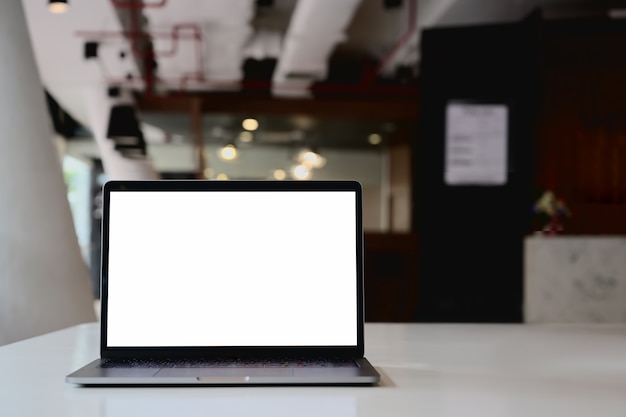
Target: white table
428 370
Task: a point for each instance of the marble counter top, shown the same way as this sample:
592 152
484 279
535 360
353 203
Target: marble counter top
575 279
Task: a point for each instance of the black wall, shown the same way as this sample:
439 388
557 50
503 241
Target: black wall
470 260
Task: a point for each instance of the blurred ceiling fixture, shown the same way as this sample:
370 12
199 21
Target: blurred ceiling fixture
279 174
297 135
208 172
301 172
250 124
125 131
217 132
389 127
617 13
228 152
374 139
57 6
311 158
245 137
221 177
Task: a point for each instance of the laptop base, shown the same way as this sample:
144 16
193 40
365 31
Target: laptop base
94 374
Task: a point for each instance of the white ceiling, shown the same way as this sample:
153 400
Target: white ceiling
201 45
300 34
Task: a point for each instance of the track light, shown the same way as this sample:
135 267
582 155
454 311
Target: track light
57 6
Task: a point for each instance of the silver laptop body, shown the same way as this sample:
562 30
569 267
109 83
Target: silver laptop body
231 282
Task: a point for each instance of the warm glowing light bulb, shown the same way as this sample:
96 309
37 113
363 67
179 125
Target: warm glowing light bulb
279 174
57 7
311 159
221 177
374 139
250 124
228 153
301 172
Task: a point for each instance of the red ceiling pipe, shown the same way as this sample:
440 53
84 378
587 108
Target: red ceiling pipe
197 35
178 32
135 32
199 73
149 56
145 35
371 76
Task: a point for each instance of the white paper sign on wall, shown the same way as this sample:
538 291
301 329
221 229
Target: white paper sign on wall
476 144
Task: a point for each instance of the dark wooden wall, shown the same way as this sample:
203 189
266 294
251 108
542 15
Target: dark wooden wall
390 277
581 150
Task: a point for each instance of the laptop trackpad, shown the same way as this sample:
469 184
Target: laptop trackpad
223 372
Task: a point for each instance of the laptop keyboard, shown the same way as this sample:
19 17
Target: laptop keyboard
229 363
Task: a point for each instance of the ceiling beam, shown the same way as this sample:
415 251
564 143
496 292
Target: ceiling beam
372 108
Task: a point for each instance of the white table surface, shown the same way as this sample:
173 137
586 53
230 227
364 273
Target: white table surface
428 370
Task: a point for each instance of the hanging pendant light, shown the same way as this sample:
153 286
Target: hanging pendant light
57 6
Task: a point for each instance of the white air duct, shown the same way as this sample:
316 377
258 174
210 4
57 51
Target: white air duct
315 28
264 44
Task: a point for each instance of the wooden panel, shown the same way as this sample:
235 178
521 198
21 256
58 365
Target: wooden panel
400 212
582 129
375 108
597 219
390 277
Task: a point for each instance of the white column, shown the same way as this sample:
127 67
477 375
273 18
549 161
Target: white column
44 282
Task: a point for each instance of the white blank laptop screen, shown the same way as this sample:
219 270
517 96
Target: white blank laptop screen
245 268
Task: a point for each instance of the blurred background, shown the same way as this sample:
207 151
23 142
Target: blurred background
489 135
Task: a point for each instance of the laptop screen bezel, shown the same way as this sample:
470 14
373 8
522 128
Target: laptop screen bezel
356 350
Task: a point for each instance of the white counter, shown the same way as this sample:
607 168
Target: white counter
575 279
430 370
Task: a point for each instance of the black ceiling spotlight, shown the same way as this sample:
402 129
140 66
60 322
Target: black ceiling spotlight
125 131
90 50
57 6
114 91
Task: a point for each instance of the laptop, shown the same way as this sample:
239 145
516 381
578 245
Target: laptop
231 283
